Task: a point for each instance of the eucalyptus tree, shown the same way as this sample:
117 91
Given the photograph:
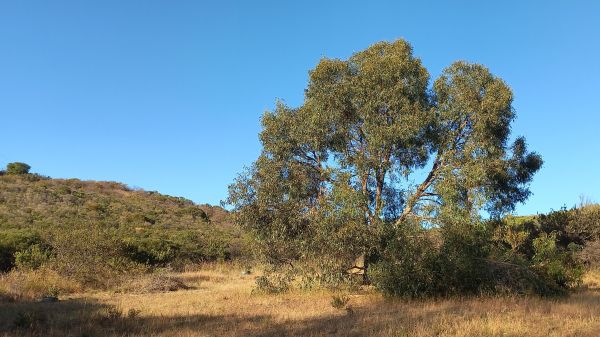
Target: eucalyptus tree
374 147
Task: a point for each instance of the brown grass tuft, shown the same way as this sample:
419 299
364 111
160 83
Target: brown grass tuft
33 285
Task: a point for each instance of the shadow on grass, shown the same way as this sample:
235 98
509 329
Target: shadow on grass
389 318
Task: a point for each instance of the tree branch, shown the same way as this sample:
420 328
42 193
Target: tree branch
420 190
437 165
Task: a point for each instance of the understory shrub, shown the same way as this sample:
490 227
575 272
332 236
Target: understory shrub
13 241
484 259
34 257
274 281
177 247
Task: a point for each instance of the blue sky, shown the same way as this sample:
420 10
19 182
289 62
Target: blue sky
167 95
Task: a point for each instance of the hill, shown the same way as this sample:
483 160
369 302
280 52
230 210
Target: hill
35 201
41 216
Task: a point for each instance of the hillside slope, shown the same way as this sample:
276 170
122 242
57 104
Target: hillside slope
35 201
145 227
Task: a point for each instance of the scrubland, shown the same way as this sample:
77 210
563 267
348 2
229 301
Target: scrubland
218 300
101 259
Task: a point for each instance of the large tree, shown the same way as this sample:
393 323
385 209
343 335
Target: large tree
375 147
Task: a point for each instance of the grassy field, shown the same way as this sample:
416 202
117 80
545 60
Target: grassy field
220 302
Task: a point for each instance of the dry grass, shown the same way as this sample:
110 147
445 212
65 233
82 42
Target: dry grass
154 283
30 285
219 303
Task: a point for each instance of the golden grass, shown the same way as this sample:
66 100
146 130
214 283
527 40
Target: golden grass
220 303
29 285
592 279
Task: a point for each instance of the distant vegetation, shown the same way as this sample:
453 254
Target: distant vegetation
17 168
93 232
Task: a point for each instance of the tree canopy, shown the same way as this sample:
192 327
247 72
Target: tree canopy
17 168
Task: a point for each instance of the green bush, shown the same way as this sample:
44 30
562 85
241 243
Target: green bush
555 264
446 261
150 251
177 247
13 241
90 255
17 168
406 267
33 257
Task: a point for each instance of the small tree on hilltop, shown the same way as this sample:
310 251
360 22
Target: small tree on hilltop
17 168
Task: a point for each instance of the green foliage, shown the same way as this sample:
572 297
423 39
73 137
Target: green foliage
547 245
454 261
408 262
448 261
161 248
462 259
90 255
13 241
558 265
17 168
34 257
149 250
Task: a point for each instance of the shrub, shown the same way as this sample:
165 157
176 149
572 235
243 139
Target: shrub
556 265
33 257
150 250
110 315
590 254
177 248
447 261
133 313
273 283
95 233
407 265
90 255
13 241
